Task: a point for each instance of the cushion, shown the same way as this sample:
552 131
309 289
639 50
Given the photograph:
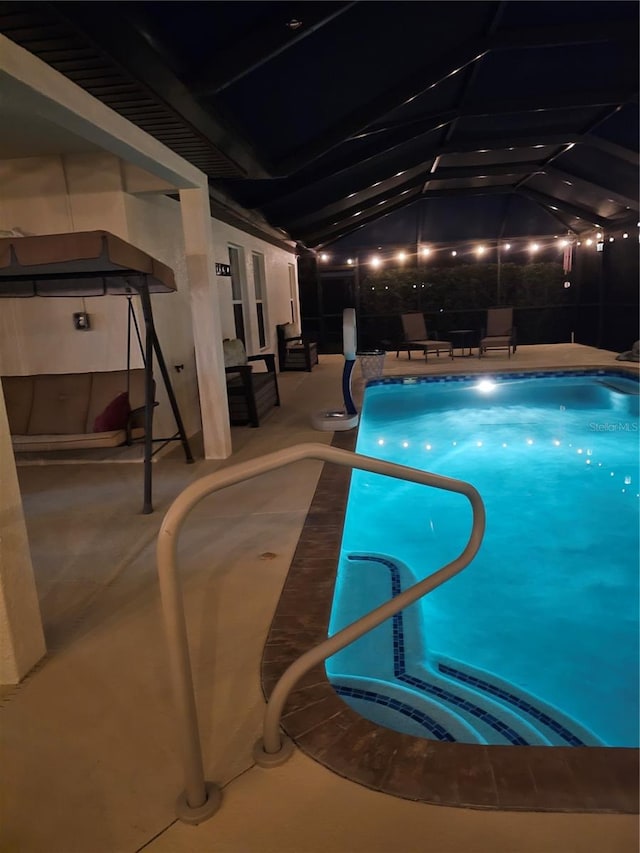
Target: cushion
115 416
630 355
106 385
290 331
234 353
60 403
80 441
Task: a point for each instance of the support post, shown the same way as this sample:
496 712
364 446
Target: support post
143 290
601 296
21 637
207 327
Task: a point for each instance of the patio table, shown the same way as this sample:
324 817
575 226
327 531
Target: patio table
461 339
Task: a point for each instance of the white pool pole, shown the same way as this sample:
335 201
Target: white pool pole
333 420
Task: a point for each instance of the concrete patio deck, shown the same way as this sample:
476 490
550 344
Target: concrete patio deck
88 742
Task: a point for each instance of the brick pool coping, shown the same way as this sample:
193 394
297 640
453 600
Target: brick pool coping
527 778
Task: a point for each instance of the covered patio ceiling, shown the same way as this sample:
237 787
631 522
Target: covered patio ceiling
494 118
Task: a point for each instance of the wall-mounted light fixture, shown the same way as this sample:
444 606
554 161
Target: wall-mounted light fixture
81 321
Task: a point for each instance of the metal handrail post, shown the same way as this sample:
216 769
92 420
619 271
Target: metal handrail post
201 799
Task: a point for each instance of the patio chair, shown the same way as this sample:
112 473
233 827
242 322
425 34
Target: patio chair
500 333
295 353
251 395
416 337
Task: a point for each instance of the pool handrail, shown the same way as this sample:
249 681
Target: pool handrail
201 799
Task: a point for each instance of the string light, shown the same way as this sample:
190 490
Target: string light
402 256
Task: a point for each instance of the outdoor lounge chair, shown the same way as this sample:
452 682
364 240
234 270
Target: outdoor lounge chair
415 337
294 352
500 332
251 395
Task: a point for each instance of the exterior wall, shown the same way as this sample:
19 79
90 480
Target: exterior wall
81 192
276 263
47 195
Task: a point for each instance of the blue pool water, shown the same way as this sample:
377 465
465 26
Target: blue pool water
537 640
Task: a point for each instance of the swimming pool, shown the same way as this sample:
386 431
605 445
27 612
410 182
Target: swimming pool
536 642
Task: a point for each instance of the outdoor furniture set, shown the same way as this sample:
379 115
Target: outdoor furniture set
498 334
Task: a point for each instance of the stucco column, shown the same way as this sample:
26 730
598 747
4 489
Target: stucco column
21 638
207 328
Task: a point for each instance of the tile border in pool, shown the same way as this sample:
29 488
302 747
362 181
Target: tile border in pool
528 778
427 722
514 373
515 700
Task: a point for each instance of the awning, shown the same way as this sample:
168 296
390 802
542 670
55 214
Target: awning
85 263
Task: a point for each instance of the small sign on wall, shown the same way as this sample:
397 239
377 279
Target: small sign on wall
223 269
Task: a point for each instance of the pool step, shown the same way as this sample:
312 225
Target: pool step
495 711
397 707
558 727
496 723
455 708
429 708
627 387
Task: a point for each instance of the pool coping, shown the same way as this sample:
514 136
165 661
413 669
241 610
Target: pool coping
322 725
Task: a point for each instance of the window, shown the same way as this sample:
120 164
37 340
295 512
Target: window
293 296
260 294
236 264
